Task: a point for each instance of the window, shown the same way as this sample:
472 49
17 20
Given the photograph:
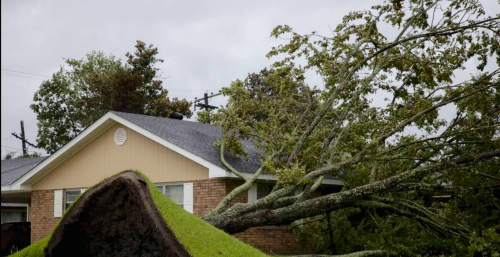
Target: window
264 190
70 197
174 192
12 217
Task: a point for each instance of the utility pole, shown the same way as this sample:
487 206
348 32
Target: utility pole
205 100
23 139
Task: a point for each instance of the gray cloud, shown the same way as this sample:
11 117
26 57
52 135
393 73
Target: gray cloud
205 44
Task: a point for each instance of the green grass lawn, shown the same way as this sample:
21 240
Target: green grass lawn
198 237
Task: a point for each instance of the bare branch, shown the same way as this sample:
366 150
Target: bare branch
431 223
428 110
223 205
369 253
223 160
327 203
488 176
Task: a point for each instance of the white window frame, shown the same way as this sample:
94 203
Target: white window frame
164 185
253 191
267 184
66 194
187 194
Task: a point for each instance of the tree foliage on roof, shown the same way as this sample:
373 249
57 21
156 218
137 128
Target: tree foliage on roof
80 93
394 119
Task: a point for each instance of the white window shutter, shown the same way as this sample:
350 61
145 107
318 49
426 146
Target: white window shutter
58 203
188 197
83 190
252 193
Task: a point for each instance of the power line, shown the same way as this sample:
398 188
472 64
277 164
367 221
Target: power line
205 99
17 75
7 138
22 137
29 73
10 147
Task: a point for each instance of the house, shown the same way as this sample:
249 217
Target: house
178 156
15 207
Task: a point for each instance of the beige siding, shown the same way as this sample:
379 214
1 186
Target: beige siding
102 158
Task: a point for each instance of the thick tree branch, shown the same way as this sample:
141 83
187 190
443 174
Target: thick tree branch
369 253
327 203
223 205
426 111
426 221
228 166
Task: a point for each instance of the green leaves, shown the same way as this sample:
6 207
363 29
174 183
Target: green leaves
80 93
290 176
428 116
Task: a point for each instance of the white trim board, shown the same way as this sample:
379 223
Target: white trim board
18 183
214 171
21 183
326 181
22 189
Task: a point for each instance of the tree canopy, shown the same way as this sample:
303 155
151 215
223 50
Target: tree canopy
78 95
392 120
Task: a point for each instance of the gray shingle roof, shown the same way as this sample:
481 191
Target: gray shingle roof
195 138
13 169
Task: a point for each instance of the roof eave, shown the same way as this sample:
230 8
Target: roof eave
8 189
80 141
326 181
68 150
214 171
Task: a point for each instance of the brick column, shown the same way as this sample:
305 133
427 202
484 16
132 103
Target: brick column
272 239
207 194
42 214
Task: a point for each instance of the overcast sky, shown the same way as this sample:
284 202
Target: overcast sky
205 44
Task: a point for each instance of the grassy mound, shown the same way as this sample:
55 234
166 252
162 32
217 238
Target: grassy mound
196 236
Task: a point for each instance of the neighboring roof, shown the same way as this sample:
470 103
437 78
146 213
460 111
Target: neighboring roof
13 169
196 138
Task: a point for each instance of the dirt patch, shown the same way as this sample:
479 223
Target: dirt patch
116 218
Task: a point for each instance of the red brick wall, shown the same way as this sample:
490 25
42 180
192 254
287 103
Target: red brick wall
273 239
207 194
231 184
42 214
276 240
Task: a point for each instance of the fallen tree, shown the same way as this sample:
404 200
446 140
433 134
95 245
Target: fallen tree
392 119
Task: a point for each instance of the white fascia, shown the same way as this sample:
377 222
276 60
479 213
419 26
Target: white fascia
18 185
20 189
326 181
214 171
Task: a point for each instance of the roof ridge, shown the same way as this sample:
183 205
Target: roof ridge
168 119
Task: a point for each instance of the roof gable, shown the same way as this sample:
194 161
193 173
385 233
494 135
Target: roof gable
193 140
197 138
109 119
